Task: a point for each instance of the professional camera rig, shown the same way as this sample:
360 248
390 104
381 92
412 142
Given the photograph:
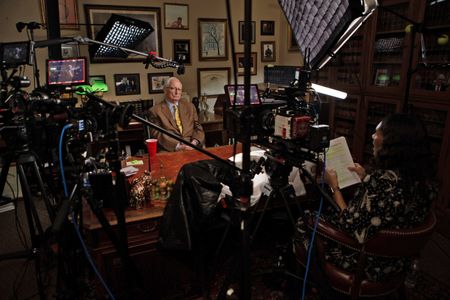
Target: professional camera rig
287 127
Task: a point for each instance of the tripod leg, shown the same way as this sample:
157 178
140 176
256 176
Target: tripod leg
122 249
266 204
288 192
33 225
4 174
31 213
31 160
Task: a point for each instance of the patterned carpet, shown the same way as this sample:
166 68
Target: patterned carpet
270 282
272 266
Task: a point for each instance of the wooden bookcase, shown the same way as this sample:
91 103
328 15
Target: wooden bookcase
373 68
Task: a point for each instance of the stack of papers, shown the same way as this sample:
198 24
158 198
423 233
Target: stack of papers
129 171
339 159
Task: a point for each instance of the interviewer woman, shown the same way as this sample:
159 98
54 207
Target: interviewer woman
396 193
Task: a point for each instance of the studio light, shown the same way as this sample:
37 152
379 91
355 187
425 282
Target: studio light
120 31
328 91
322 27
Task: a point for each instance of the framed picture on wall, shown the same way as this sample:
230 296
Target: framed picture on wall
68 14
156 82
98 15
382 77
212 39
70 50
268 51
127 84
176 16
241 32
211 81
182 51
267 27
240 63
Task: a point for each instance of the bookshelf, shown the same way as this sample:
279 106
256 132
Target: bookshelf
373 67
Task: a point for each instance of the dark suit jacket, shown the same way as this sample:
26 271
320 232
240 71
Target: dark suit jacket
160 115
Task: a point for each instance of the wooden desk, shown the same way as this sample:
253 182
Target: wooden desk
163 276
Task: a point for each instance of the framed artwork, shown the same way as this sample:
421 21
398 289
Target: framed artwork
211 81
127 84
268 51
100 14
156 82
70 50
212 39
267 27
292 43
176 16
240 63
97 78
182 51
68 14
382 77
241 32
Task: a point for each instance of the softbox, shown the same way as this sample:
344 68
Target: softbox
120 31
322 27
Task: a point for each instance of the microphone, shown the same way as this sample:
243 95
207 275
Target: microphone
180 69
161 62
46 43
37 98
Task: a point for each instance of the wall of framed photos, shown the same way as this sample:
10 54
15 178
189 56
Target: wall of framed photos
181 34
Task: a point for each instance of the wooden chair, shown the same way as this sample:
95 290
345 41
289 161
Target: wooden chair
386 243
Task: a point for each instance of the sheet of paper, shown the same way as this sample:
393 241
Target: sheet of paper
339 158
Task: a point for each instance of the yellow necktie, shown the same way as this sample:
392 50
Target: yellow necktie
177 119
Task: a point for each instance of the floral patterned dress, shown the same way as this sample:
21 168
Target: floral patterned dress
382 201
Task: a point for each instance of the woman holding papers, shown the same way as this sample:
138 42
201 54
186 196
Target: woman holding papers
396 193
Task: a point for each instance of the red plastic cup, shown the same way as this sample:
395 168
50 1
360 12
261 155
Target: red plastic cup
151 147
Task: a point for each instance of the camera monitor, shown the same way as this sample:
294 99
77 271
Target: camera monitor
67 72
15 54
235 94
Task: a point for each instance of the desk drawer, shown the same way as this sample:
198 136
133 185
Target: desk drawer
140 231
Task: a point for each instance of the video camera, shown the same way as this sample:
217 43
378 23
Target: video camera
287 125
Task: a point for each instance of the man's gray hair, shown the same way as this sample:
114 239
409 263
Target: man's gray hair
168 81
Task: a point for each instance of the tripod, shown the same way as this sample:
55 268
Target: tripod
26 161
277 188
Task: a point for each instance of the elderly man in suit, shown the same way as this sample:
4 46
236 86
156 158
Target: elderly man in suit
177 116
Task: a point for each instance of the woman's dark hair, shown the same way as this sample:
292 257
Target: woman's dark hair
405 147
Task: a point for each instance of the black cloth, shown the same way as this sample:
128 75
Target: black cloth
192 204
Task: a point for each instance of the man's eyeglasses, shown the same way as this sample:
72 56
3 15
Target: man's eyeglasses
175 89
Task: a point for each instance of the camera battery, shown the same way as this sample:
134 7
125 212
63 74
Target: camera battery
292 127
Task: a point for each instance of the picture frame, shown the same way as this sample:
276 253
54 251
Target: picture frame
241 32
97 78
211 81
382 77
268 52
68 14
267 27
100 14
70 50
127 84
156 82
182 51
292 42
212 39
240 63
176 16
